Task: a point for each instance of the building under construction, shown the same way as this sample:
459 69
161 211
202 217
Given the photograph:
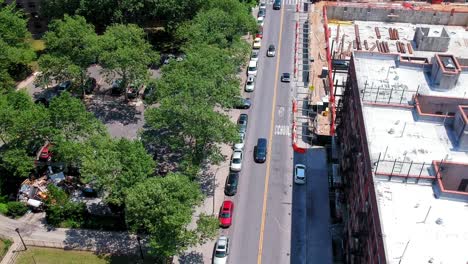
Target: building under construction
400 108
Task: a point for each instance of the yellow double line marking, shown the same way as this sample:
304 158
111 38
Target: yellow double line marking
272 123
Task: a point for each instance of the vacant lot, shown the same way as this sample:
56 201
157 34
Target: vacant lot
58 256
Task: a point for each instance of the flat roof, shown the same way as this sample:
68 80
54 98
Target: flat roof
458 36
395 134
374 70
418 228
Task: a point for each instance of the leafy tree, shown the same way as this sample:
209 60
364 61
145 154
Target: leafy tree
14 48
126 53
162 208
186 118
207 228
61 211
115 166
17 162
71 46
220 23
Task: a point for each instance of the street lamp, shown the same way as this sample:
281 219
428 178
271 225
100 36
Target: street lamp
139 244
17 231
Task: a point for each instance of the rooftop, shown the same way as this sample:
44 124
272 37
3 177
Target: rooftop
419 228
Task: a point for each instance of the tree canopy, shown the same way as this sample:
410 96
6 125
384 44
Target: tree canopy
14 46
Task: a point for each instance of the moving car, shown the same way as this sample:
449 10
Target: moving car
255 54
257 43
300 174
286 77
225 214
240 143
261 150
252 69
250 83
243 103
242 122
221 250
232 181
271 51
277 5
236 160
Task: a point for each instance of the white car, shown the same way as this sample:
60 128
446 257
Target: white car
240 143
260 21
262 5
250 83
257 43
236 160
221 250
255 54
252 69
300 174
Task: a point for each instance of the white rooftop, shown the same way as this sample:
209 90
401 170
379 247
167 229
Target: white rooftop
381 71
395 133
418 228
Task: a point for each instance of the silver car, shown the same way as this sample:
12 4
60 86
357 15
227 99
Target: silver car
240 143
250 83
221 250
300 174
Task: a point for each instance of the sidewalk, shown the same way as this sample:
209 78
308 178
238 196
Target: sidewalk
34 233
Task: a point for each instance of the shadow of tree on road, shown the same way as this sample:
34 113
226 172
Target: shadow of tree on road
191 258
114 109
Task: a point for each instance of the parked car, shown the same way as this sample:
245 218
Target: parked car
117 87
225 214
236 160
252 69
90 85
232 181
64 86
242 122
261 150
262 6
259 33
271 52
257 43
260 21
261 13
243 103
221 250
300 174
250 83
149 90
255 54
277 5
286 77
240 143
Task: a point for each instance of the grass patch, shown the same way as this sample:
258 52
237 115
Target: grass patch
5 244
39 255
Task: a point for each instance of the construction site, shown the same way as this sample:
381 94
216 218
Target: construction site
385 84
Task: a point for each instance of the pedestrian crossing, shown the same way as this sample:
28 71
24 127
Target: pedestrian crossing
282 130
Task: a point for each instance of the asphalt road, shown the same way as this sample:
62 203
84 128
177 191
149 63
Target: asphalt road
262 219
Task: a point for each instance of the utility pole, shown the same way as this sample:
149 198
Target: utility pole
22 241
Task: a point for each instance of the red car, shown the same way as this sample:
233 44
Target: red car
225 214
259 33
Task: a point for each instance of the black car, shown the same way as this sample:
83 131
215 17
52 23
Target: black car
286 77
261 13
62 87
243 103
277 5
261 150
133 90
149 90
242 122
232 181
117 87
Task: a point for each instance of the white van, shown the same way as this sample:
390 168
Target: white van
252 69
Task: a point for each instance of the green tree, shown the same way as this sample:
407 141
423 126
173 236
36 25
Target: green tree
115 166
60 211
17 162
126 54
16 209
14 48
186 117
71 46
207 228
162 207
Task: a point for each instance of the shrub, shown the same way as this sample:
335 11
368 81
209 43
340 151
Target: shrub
3 208
16 209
